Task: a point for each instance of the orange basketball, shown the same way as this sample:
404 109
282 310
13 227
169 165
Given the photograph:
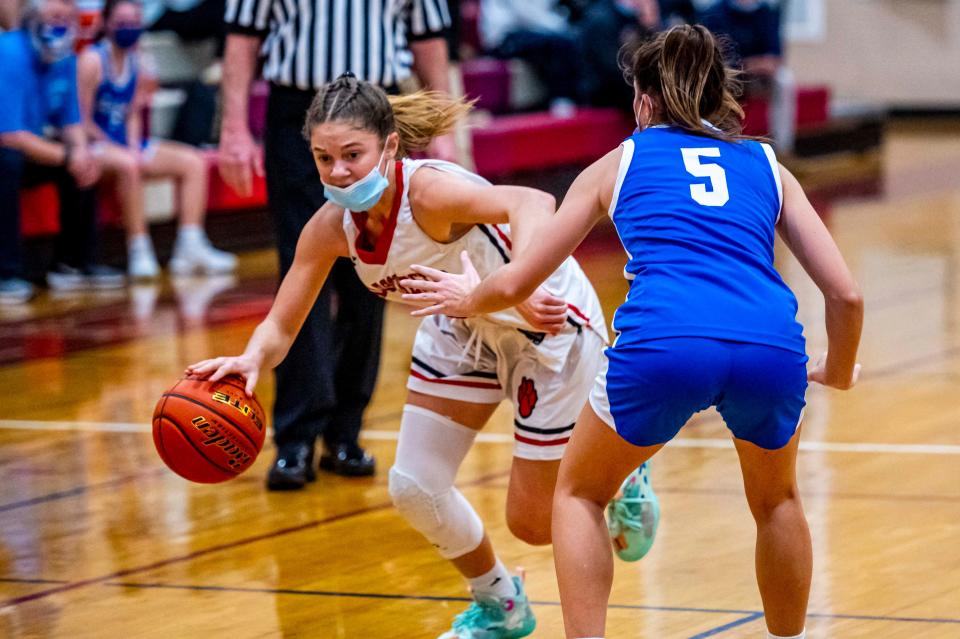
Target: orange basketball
208 432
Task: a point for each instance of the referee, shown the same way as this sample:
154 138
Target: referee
324 384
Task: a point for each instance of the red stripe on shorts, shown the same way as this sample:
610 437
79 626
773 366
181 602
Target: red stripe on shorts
537 442
453 382
579 313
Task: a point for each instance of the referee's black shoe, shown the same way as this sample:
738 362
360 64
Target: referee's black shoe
348 460
292 469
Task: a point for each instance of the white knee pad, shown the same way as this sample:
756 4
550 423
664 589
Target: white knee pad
445 518
429 452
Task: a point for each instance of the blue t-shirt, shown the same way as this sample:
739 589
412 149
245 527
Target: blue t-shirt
697 218
34 95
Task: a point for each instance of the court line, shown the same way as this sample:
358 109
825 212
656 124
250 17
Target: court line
74 585
108 427
751 614
503 438
24 580
728 626
77 490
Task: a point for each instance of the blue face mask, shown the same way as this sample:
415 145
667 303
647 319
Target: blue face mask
53 42
126 37
362 194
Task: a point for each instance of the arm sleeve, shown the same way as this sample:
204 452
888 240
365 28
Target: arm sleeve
248 17
427 19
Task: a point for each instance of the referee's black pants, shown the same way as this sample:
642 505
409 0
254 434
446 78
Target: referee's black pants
327 378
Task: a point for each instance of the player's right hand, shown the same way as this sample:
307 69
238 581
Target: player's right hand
219 367
239 159
544 311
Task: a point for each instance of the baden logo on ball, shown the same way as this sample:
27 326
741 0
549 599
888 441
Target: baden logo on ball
208 432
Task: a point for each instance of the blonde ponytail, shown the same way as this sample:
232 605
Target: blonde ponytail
422 116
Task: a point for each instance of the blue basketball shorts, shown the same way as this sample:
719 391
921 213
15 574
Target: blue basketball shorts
647 391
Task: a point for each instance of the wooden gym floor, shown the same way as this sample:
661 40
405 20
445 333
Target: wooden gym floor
98 539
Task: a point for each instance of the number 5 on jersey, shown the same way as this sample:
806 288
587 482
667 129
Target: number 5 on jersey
718 195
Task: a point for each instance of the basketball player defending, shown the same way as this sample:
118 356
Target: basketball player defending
708 320
386 213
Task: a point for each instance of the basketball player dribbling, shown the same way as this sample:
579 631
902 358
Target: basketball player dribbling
386 213
708 320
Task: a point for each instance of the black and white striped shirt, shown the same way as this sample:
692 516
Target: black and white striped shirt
310 42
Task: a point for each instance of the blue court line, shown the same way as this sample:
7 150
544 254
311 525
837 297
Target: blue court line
750 614
79 490
728 626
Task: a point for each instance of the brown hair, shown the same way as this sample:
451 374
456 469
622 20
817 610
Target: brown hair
684 70
417 118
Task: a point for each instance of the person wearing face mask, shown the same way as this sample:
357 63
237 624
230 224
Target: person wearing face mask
708 320
111 94
386 211
304 46
41 140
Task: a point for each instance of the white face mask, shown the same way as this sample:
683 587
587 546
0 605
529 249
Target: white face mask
362 194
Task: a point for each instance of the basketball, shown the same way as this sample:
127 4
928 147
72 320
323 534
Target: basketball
208 432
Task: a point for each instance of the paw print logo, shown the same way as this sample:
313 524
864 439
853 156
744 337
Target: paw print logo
526 397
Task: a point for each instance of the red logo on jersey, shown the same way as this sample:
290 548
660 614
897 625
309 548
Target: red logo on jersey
391 283
526 397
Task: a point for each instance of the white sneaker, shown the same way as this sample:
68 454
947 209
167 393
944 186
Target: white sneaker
197 256
141 261
15 291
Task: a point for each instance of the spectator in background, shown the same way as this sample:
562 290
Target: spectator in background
41 140
604 27
674 12
754 28
191 20
111 96
539 32
325 382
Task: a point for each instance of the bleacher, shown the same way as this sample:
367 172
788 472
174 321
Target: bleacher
511 144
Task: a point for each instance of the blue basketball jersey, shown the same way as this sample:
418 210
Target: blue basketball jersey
112 102
697 218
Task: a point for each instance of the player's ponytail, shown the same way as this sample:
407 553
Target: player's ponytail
684 69
417 118
422 116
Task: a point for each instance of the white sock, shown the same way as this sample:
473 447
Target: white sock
802 635
496 582
191 233
140 241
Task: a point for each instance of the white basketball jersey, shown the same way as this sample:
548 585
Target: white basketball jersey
381 267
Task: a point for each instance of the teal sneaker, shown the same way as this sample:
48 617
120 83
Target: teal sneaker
495 618
633 516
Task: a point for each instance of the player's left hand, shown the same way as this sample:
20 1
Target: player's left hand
544 312
443 293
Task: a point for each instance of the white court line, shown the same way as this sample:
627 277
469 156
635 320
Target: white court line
110 427
503 438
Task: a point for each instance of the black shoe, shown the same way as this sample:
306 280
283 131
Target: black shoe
292 469
348 460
